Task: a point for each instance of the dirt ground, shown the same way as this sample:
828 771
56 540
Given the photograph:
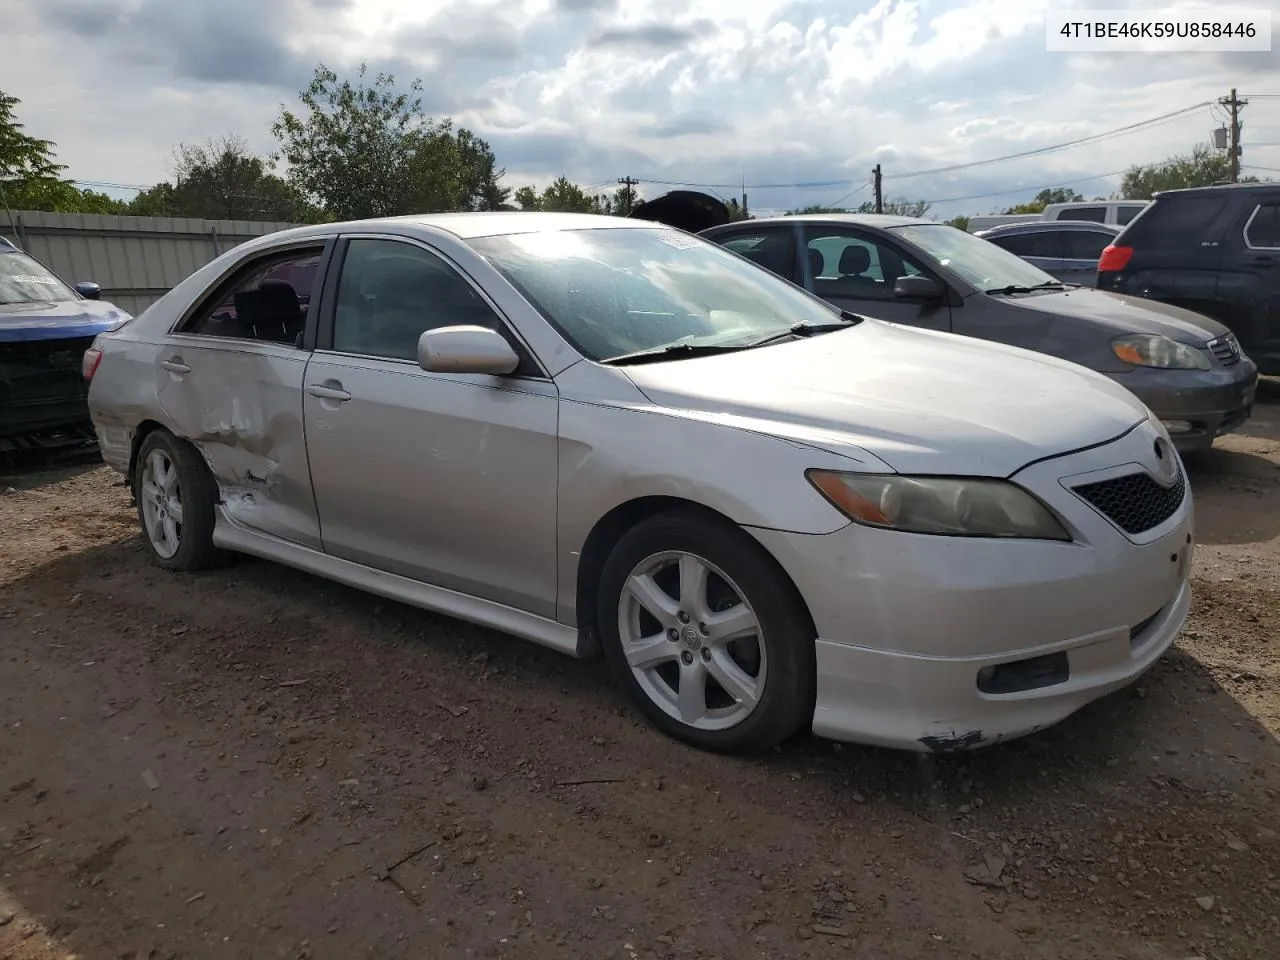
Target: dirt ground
256 763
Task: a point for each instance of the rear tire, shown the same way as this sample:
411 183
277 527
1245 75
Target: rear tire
175 495
706 634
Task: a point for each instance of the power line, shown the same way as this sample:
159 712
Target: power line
1038 151
1047 186
1128 128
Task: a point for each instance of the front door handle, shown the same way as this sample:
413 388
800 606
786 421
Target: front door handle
329 390
175 365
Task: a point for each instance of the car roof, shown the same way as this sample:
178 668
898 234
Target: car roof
1041 225
1216 189
472 224
881 220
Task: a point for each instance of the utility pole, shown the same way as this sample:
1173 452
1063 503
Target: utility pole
879 196
628 194
1234 103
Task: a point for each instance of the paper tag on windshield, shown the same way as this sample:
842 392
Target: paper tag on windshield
681 241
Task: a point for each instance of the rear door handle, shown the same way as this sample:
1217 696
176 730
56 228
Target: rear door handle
175 365
329 390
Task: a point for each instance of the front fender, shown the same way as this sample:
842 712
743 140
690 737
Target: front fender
611 455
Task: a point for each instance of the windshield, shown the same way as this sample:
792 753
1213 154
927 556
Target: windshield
613 292
24 280
979 261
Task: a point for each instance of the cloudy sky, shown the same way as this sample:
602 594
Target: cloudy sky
800 97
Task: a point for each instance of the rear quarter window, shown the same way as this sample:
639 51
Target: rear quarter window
1174 222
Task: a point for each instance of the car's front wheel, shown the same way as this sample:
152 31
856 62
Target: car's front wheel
706 634
176 496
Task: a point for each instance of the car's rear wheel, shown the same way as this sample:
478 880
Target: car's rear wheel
706 634
175 496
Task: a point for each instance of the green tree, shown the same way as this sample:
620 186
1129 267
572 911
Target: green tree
626 199
222 180
30 176
1044 198
897 208
564 196
960 223
736 211
817 208
369 150
1203 167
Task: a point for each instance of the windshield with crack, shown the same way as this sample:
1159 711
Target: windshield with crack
612 292
24 280
978 261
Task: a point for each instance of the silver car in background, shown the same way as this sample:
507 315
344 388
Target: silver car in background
600 433
1065 249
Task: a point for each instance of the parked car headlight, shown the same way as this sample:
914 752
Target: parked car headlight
950 506
1153 350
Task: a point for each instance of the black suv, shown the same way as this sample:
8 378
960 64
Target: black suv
1214 250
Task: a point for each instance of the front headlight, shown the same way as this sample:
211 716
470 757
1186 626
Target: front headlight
950 506
1153 350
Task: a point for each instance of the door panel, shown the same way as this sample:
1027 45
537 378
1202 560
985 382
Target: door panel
229 378
449 480
446 478
240 403
856 271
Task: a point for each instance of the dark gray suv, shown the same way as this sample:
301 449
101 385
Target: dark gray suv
1186 367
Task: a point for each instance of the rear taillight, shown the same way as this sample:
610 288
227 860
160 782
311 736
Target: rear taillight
89 364
1114 258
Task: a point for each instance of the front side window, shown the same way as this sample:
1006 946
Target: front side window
775 250
848 265
25 280
982 264
615 291
267 300
391 292
1264 227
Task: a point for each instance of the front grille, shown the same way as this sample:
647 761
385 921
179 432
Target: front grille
42 371
1134 502
1226 349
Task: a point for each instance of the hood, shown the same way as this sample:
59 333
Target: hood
1122 314
921 401
58 321
684 210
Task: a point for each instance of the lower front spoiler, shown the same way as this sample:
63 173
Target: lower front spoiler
933 704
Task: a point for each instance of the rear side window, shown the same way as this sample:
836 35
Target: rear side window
1094 214
1042 243
266 300
1175 223
1085 244
1125 214
1263 230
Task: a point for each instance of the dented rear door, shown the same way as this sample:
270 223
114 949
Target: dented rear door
240 403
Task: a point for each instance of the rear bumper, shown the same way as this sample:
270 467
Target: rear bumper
1196 406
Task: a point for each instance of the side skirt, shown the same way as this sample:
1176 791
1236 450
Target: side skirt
231 536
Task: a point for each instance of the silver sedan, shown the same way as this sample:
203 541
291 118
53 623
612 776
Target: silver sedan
604 434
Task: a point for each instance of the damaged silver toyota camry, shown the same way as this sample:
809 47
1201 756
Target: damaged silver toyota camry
607 435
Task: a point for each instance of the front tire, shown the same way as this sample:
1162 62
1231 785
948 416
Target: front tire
706 634
176 496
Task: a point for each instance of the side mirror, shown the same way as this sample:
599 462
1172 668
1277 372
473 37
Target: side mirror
916 288
90 291
466 349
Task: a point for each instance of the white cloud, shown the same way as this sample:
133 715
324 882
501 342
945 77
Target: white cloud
791 91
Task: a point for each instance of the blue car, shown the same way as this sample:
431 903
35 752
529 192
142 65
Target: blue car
45 327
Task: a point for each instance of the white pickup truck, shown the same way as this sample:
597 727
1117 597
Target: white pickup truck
1115 212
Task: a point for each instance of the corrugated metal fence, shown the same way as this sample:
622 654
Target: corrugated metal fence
134 259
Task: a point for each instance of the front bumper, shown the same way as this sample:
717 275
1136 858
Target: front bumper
1197 405
907 623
